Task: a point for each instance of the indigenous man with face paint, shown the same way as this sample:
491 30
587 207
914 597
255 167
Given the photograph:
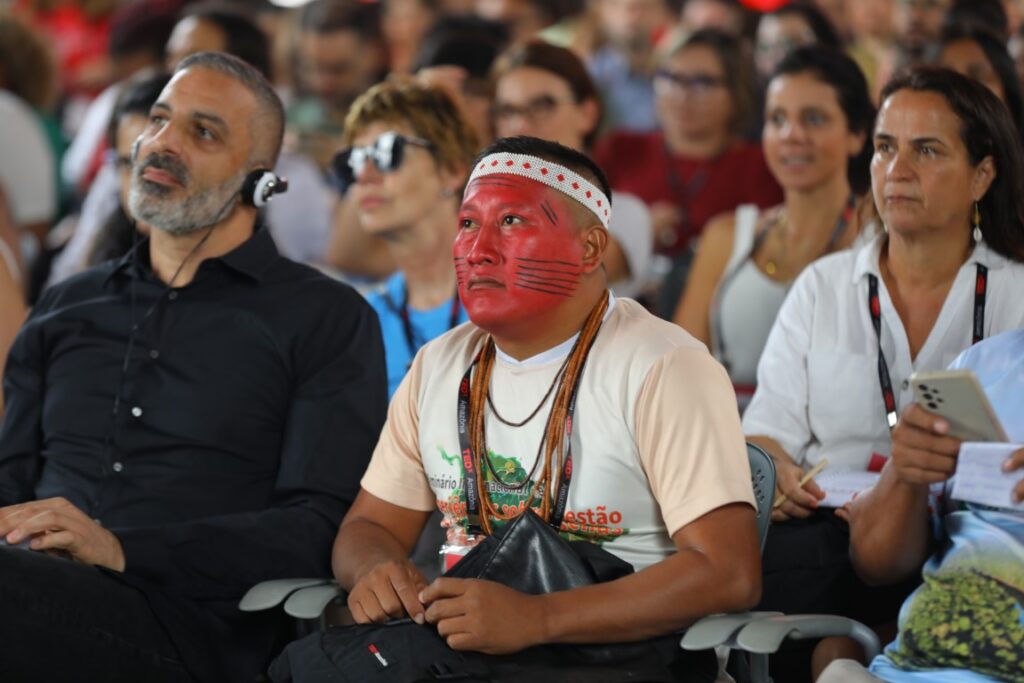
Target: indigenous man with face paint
659 475
184 422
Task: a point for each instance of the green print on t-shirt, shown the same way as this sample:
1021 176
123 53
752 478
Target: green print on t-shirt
596 525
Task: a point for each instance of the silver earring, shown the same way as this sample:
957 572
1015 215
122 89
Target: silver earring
976 222
447 193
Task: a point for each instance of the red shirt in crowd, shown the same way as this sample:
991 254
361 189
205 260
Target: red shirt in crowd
640 163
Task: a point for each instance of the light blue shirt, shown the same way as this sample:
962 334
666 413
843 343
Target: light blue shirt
425 325
628 97
983 547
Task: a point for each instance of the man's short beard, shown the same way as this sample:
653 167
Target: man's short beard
150 203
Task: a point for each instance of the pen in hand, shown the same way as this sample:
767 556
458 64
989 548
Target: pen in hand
811 473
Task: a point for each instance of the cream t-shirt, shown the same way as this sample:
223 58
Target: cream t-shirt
656 442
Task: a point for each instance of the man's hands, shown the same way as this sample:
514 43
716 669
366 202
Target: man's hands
922 454
801 501
391 590
484 616
57 526
470 614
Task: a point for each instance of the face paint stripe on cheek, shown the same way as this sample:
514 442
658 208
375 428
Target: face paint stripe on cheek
546 291
547 261
540 269
534 277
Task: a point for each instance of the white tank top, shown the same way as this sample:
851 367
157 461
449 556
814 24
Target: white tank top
745 308
746 304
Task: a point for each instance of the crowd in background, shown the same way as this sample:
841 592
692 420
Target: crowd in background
670 102
740 144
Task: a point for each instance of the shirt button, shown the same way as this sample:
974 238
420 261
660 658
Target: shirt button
172 295
154 354
906 384
118 467
137 411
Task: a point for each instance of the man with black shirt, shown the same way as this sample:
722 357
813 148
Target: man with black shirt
185 422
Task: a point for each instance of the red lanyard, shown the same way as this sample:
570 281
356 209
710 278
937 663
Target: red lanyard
875 309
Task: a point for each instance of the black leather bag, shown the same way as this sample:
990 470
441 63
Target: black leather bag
529 556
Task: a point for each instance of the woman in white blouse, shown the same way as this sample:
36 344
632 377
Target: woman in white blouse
946 177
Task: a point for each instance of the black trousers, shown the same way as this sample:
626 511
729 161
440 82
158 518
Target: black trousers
62 621
807 570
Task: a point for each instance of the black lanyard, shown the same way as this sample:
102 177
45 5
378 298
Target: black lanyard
683 193
402 312
469 463
875 309
716 305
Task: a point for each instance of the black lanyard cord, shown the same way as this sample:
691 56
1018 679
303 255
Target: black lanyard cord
875 310
411 341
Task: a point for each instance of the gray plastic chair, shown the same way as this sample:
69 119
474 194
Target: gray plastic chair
757 633
760 634
307 598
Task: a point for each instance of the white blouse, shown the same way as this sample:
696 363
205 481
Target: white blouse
818 391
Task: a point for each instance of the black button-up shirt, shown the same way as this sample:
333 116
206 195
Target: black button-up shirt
219 429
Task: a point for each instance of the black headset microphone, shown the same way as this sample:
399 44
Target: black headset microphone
258 188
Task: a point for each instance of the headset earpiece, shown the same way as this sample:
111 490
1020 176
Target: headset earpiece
134 156
260 186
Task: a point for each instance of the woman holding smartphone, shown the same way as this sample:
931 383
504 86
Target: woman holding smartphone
946 272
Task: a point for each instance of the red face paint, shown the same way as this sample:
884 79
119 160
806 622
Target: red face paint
518 254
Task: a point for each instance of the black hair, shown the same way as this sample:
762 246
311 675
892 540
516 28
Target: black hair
115 238
998 57
837 70
271 108
466 41
987 131
989 14
142 27
335 16
137 97
738 68
243 37
824 32
553 152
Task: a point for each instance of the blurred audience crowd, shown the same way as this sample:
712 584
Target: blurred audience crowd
743 142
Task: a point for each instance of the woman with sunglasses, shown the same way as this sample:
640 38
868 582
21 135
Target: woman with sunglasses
544 91
697 166
408 156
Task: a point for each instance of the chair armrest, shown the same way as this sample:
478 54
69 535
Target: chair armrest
309 602
269 594
719 629
766 635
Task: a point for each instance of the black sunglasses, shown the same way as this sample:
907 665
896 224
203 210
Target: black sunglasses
386 153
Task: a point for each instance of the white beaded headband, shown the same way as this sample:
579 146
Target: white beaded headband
552 175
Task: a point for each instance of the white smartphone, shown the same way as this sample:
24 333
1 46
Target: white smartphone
957 397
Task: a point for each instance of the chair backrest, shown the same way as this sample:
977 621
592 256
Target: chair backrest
762 475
